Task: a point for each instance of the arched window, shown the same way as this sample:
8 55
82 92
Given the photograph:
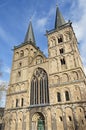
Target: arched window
38 121
39 88
61 50
34 91
21 53
70 118
58 97
60 40
62 61
67 96
22 101
17 102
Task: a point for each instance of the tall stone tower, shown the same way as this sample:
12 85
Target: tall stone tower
47 93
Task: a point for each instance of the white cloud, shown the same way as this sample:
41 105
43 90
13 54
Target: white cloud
2 98
79 24
41 22
82 4
6 37
3 34
3 85
7 69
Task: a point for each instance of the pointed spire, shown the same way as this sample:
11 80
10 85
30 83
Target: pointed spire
30 34
59 20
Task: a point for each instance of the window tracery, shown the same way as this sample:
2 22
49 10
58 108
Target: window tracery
39 88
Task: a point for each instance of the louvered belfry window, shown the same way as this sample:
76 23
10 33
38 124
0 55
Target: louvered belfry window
39 88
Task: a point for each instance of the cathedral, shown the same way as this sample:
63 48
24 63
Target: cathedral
46 93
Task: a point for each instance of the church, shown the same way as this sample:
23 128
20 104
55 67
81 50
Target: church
47 93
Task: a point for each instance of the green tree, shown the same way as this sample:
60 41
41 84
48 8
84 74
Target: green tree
3 87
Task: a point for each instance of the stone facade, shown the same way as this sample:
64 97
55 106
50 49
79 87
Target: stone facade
47 93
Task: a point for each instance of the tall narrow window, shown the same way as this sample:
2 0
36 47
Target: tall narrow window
60 40
21 53
39 88
70 118
41 91
82 122
61 51
19 73
16 102
32 91
62 61
58 97
85 117
60 118
22 102
20 64
46 90
67 96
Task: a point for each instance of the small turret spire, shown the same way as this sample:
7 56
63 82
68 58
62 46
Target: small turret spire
30 34
59 20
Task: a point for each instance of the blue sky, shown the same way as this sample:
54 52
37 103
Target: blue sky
14 20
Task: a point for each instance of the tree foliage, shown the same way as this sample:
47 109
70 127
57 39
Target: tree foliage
3 87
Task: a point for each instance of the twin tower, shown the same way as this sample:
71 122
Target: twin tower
47 93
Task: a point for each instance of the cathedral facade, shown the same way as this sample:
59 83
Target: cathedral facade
47 93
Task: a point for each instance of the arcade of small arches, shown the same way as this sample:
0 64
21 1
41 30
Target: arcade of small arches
21 53
39 119
66 36
66 77
24 52
65 94
19 87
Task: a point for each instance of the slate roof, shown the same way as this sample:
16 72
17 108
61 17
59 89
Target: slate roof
59 20
30 34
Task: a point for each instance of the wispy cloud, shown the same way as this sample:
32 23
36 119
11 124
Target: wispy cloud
7 69
6 36
78 16
42 21
3 34
80 29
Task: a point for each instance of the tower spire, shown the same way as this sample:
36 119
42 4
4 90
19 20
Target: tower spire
59 20
30 34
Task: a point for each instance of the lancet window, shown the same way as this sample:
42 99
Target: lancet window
39 88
